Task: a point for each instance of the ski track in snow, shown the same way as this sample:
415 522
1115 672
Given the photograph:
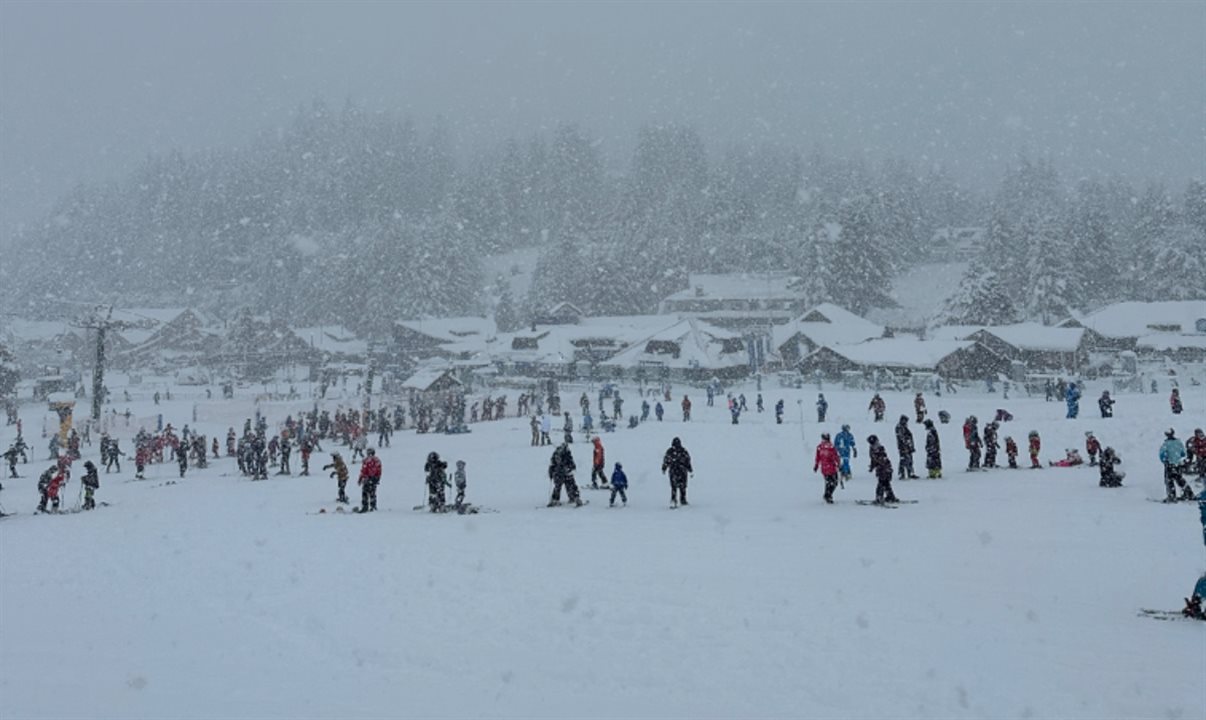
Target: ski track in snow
1000 594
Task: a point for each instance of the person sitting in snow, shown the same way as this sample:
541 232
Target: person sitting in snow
1071 458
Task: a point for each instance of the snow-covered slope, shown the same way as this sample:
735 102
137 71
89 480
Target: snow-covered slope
1000 594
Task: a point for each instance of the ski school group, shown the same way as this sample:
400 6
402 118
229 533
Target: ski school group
255 452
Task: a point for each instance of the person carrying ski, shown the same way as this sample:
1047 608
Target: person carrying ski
826 462
91 482
877 406
1109 476
1172 455
1011 452
597 475
905 448
686 409
1035 445
437 480
919 407
619 485
1196 448
844 444
1092 447
1105 403
1072 398
561 472
779 412
677 461
990 444
1174 401
462 482
882 467
822 407
370 478
339 471
971 441
933 450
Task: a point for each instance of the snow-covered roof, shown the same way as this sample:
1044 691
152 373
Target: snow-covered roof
555 344
828 324
904 352
452 329
1172 341
1031 336
699 344
737 286
144 316
424 378
1136 319
334 339
24 331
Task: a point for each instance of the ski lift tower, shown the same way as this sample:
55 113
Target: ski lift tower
100 320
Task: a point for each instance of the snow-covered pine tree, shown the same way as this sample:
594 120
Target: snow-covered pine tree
980 299
1178 268
1050 273
861 271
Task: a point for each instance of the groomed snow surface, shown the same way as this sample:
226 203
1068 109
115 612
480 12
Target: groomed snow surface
1000 594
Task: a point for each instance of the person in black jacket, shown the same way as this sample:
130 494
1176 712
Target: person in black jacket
91 483
561 472
905 448
437 479
990 444
678 462
882 467
933 450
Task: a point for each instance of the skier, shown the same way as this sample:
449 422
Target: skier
1049 390
568 428
644 410
1105 403
1072 398
882 467
339 471
933 450
905 448
181 451
758 402
735 411
1035 445
561 472
678 462
11 456
686 409
286 451
822 407
1174 401
437 479
919 407
827 462
546 426
619 486
1109 476
230 442
307 447
1011 452
91 482
990 445
659 411
48 485
877 406
597 461
971 441
1196 448
535 425
844 443
779 412
617 404
1092 447
1172 455
141 455
370 477
1193 603
462 481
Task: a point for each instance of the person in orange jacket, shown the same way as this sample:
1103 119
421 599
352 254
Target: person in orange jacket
1035 445
597 476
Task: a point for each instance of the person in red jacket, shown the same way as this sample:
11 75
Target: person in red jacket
1092 446
597 476
1196 446
686 409
828 462
370 477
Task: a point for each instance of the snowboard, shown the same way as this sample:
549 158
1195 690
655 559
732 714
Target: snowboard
1167 615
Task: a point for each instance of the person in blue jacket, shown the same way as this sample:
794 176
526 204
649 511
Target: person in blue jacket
1073 399
1193 603
844 443
1172 454
619 484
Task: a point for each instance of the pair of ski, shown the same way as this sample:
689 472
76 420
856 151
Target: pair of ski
67 511
882 504
561 504
1167 615
463 509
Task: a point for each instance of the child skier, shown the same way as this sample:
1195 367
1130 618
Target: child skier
822 407
933 450
462 481
990 444
619 485
971 441
882 467
91 483
827 462
370 478
844 444
339 471
1011 452
1172 455
1036 444
598 459
1092 447
919 407
877 406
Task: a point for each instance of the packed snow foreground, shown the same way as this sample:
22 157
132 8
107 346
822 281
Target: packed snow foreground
1002 593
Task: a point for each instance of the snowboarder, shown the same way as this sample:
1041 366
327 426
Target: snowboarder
91 482
339 471
919 407
971 441
462 482
597 475
561 472
882 467
1174 401
619 486
933 450
990 444
822 407
437 480
686 409
1105 403
1172 455
779 412
1092 447
1109 476
844 443
827 462
877 406
1011 452
905 448
678 462
1035 445
1072 398
370 477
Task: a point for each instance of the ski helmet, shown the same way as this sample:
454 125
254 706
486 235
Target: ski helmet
825 437
872 440
1170 433
371 451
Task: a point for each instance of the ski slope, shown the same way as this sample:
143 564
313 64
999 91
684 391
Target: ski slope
1000 594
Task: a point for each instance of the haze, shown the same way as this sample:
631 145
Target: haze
87 90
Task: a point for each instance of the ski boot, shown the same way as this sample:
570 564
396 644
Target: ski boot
1193 608
1187 493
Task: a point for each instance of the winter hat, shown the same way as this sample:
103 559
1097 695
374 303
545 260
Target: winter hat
825 437
1033 433
929 423
371 451
1088 433
845 427
676 443
1170 433
619 466
872 440
460 464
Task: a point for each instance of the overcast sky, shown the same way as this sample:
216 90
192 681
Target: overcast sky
88 89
